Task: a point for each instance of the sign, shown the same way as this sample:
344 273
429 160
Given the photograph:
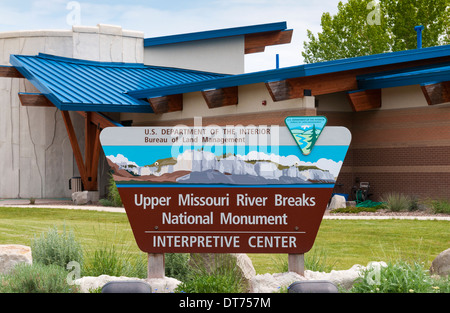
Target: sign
234 189
306 130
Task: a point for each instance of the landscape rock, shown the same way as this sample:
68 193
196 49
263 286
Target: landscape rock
263 283
163 285
441 264
210 261
159 285
337 202
11 255
85 197
343 278
268 283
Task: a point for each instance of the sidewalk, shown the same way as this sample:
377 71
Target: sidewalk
57 204
68 204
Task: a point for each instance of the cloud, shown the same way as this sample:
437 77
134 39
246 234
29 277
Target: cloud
120 159
326 164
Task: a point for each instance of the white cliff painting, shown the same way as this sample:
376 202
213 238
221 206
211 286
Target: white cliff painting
204 167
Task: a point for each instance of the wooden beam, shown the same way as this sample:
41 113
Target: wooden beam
325 84
221 97
335 82
365 100
34 100
94 122
258 42
98 120
90 140
437 93
319 85
88 167
283 90
93 172
10 72
172 103
75 147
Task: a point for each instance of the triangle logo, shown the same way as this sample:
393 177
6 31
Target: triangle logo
306 130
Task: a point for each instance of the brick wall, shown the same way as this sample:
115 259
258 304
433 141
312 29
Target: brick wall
403 150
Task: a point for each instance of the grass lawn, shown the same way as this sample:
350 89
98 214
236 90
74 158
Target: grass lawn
344 242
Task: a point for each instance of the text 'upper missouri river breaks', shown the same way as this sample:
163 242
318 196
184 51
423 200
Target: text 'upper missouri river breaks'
190 200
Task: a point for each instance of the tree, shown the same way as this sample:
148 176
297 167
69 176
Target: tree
313 138
365 27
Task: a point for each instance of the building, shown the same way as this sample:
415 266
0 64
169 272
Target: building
60 88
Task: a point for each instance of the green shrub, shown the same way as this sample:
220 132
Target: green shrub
223 277
354 210
113 261
211 283
315 260
177 265
397 202
440 206
400 277
113 198
36 278
56 248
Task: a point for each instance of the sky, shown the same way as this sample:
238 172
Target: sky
169 17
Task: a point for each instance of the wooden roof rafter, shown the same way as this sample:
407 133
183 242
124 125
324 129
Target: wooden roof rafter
258 42
364 100
319 85
166 104
10 72
436 93
217 98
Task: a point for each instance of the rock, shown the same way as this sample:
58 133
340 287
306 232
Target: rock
337 202
268 283
343 278
85 197
10 255
163 285
241 261
441 264
159 285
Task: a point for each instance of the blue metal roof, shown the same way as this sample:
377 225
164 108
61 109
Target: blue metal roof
81 85
298 71
73 84
211 34
428 74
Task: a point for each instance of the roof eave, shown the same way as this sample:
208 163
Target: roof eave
211 34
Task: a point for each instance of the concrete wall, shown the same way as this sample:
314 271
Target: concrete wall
220 55
36 158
